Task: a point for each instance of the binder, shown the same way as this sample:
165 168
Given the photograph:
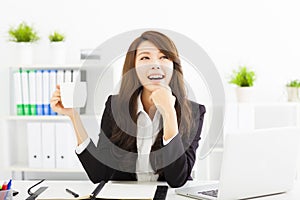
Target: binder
48 145
25 92
39 92
18 93
34 141
52 86
46 92
32 93
65 144
76 76
60 77
68 76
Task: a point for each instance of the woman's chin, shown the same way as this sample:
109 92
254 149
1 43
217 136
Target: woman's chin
153 87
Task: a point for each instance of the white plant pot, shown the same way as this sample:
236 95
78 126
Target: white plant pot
23 53
293 94
244 94
57 54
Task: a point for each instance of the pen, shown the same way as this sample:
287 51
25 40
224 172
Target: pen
9 185
72 193
97 190
4 186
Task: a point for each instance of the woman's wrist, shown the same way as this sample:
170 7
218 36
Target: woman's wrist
170 124
73 114
169 113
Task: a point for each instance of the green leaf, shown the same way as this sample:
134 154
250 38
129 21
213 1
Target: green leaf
23 33
293 83
243 77
56 37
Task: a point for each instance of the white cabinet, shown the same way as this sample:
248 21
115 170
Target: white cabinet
248 116
14 128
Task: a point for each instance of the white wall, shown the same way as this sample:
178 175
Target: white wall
263 34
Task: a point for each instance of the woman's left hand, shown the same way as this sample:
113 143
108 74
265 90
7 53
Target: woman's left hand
165 102
163 99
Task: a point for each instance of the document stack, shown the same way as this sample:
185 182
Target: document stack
51 145
34 88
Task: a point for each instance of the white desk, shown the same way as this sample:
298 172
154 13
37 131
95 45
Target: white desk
86 187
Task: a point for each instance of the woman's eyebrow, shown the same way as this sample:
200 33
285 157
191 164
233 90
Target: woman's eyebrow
143 52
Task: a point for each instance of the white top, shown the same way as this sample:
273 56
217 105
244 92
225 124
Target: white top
147 131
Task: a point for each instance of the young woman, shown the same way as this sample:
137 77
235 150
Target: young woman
150 130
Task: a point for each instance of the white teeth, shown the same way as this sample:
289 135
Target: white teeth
151 77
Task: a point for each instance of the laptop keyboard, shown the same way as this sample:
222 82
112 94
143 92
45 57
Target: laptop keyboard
213 193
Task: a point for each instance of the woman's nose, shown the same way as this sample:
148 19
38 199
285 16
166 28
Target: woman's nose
155 67
155 64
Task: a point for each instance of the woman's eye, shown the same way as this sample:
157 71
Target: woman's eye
164 57
144 58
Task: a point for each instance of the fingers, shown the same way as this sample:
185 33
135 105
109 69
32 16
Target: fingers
56 93
54 103
56 99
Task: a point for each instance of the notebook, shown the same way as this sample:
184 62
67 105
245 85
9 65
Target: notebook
256 163
111 190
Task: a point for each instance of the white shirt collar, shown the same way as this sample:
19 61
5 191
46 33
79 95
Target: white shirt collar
140 106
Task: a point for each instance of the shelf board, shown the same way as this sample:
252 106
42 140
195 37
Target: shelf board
43 117
48 66
267 104
218 150
20 168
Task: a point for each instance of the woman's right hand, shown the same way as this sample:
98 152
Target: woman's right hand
57 106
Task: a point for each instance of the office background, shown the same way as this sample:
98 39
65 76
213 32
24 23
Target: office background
262 34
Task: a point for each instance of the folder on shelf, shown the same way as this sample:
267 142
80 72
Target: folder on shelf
39 92
48 145
25 92
46 92
60 77
65 144
32 92
18 93
68 75
76 76
52 87
34 141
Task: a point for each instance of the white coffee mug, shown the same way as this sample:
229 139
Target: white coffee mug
73 94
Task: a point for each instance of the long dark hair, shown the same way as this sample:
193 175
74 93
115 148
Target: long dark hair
124 134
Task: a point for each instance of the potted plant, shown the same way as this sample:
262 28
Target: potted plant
23 35
293 88
57 53
244 79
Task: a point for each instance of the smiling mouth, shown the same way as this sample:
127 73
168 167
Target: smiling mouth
156 77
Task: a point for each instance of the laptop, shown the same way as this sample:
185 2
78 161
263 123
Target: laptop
257 163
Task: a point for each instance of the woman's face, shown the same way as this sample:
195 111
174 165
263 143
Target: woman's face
153 68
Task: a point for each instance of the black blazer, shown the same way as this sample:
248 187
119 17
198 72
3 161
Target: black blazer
177 158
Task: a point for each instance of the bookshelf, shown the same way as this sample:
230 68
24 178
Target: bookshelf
239 116
15 134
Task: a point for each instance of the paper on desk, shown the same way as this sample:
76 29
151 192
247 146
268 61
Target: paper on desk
113 190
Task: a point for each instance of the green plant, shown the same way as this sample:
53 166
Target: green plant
56 37
23 33
243 77
293 83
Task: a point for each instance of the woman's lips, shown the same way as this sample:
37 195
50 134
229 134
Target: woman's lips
155 77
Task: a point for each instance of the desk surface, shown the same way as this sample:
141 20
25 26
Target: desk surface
85 187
